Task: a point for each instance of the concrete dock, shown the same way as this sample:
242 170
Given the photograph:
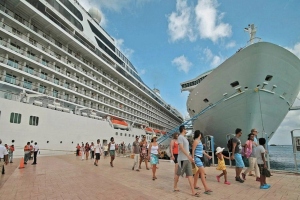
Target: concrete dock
68 177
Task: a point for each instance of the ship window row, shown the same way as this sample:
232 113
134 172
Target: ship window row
46 63
15 118
43 75
72 8
185 85
55 93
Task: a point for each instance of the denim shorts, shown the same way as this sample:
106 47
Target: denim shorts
198 161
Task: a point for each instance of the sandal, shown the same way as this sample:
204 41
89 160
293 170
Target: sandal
153 179
197 194
207 192
176 190
197 188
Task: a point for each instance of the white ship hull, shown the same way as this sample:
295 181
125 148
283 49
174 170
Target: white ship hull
258 103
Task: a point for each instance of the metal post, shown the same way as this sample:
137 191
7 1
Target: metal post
268 153
228 136
209 142
294 150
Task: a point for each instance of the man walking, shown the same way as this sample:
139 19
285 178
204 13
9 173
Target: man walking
136 151
26 153
98 150
184 161
3 157
35 151
11 153
237 150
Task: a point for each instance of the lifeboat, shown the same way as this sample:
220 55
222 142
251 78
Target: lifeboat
157 132
164 132
148 130
119 123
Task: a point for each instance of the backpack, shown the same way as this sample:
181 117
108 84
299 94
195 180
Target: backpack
229 145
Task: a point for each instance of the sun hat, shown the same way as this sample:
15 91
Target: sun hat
219 150
154 136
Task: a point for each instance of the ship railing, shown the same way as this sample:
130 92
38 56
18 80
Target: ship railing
195 117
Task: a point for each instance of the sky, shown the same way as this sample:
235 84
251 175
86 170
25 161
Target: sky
172 41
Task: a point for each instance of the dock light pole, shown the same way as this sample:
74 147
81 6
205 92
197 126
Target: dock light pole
296 147
267 148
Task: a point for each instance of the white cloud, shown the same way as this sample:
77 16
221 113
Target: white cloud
214 60
126 51
87 4
230 44
295 49
182 63
180 25
142 72
203 20
209 21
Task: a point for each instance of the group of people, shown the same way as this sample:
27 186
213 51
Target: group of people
29 150
97 150
184 160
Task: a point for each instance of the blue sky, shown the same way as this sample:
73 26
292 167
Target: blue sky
172 41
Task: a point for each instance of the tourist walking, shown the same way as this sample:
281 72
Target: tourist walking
112 151
255 142
35 152
261 161
221 165
3 157
153 153
237 150
26 153
11 153
249 152
136 151
174 151
82 151
98 152
77 149
197 154
87 150
105 150
92 150
184 161
144 153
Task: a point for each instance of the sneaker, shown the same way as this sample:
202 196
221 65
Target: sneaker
257 179
264 187
244 176
239 179
227 183
218 178
268 185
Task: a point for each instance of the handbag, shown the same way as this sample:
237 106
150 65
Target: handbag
266 172
194 168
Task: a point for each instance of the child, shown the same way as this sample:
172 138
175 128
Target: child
262 165
221 164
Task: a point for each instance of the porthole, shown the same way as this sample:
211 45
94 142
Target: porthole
205 100
268 77
13 141
60 141
47 141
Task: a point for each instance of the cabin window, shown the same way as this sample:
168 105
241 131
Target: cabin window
268 77
234 84
120 134
205 100
33 120
116 133
15 118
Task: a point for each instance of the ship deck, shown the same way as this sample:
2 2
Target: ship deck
67 177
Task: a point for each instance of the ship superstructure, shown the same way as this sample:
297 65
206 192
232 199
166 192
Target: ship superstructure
62 78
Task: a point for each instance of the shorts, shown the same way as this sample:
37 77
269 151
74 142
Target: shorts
105 153
112 152
261 169
187 169
198 161
239 160
175 158
97 156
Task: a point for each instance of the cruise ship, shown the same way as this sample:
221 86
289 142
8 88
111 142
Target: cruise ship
254 88
63 81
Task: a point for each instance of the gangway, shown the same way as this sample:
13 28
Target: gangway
174 130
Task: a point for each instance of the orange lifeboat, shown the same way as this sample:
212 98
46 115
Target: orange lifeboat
163 132
148 130
119 123
157 132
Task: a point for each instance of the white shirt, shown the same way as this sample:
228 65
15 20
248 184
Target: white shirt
98 148
92 148
154 149
35 148
112 146
3 151
258 151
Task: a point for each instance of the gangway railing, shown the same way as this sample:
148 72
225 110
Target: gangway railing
195 117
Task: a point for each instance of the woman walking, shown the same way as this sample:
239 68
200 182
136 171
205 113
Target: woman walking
87 150
174 151
153 155
144 157
92 149
197 153
112 150
82 151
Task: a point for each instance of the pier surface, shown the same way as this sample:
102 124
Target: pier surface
68 177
